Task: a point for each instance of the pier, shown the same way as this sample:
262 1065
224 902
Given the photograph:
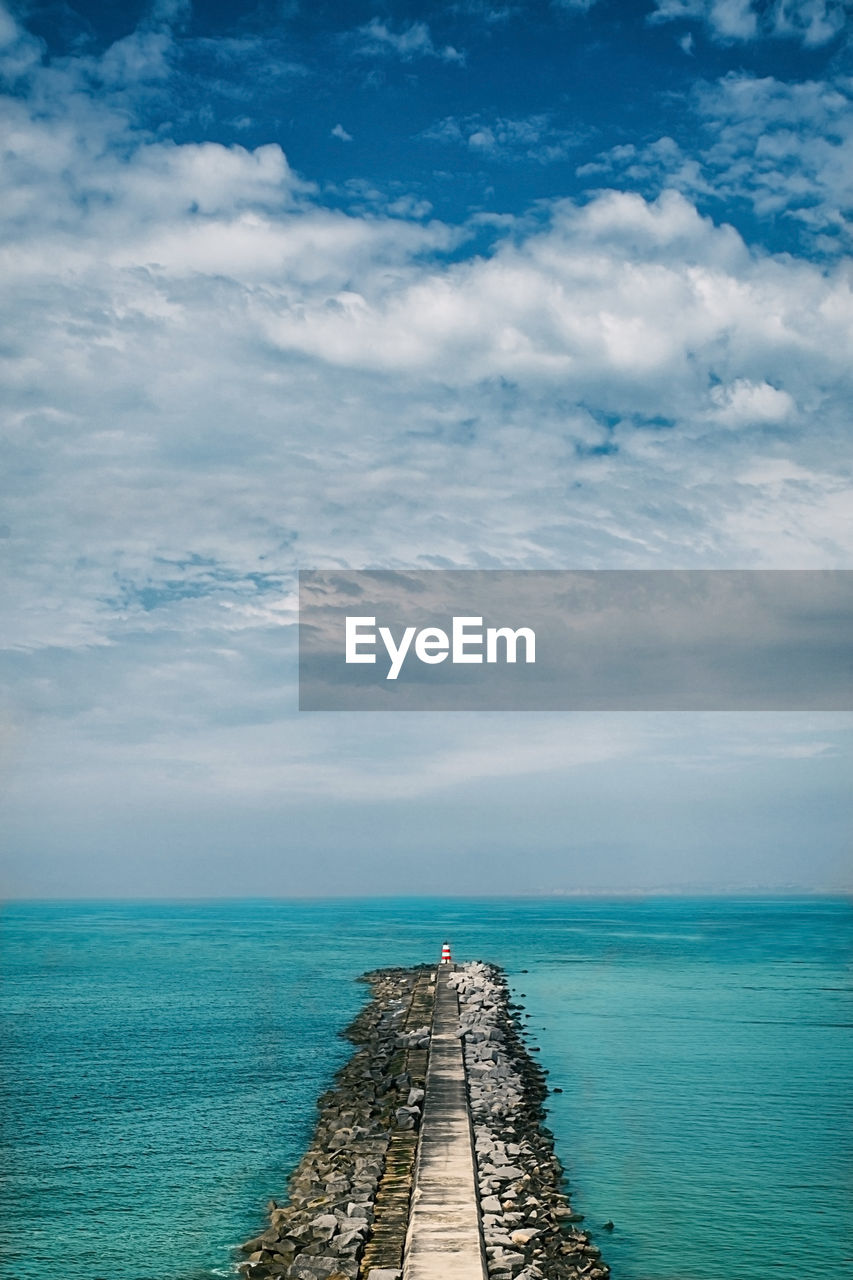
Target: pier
445 1236
430 1160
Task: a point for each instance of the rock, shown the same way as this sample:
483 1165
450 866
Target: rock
324 1227
349 1246
523 1236
497 1238
321 1267
520 1179
510 1257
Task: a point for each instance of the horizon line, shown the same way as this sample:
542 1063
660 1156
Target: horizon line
751 893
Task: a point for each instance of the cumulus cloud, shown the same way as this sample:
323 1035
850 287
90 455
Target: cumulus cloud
212 350
784 148
213 376
649 167
579 305
813 22
744 402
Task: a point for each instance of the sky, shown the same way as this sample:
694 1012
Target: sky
561 284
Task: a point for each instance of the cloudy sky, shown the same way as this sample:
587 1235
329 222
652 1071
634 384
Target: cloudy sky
354 284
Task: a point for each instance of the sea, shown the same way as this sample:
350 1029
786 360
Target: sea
161 1064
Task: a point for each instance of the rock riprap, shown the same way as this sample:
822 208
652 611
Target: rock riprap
529 1227
348 1199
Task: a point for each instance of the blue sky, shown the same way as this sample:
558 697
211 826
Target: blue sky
534 285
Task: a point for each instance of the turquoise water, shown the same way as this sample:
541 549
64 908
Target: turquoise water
161 1064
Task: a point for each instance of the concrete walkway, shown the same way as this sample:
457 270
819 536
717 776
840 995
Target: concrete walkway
444 1240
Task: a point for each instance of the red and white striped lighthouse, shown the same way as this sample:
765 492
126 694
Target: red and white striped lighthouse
445 954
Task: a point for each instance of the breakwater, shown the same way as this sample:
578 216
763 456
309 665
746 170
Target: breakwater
360 1200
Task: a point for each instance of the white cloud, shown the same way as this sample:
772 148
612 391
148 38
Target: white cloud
186 365
791 510
785 148
733 19
651 167
574 6
140 57
212 378
814 22
20 52
340 132
414 41
534 137
168 12
579 304
8 29
745 403
183 756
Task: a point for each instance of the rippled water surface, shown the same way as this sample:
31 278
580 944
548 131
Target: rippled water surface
160 1065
